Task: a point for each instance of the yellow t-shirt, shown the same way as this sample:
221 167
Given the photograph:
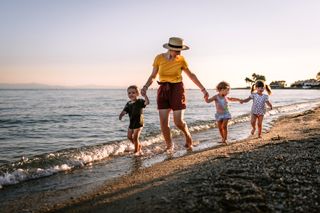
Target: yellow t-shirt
170 71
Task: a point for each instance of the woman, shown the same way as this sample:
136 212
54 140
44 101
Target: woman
171 93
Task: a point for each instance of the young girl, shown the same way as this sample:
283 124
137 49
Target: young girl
259 105
134 108
222 115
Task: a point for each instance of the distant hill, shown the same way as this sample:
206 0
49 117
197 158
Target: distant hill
44 86
29 86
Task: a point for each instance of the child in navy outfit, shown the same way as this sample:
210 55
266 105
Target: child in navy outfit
134 108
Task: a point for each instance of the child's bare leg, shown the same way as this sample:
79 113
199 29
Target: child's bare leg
260 119
220 127
253 123
130 135
225 130
136 135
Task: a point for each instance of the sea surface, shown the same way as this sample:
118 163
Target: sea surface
57 140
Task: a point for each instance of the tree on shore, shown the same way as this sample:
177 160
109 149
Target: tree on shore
318 76
255 77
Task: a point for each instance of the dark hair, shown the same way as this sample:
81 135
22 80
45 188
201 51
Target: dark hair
134 87
222 85
261 84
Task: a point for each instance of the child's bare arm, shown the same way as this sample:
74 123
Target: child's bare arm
122 114
234 99
209 100
269 104
245 100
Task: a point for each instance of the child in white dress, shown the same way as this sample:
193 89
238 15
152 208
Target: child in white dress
258 108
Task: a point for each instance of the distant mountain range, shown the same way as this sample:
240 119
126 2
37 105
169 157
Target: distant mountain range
44 86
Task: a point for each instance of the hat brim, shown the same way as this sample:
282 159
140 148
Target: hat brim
184 47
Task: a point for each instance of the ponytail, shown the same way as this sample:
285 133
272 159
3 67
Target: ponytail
253 87
261 84
268 89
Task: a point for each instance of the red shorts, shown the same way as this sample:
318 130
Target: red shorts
171 96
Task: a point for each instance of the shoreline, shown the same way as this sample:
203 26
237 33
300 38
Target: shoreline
249 175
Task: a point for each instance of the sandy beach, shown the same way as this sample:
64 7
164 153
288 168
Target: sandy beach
278 173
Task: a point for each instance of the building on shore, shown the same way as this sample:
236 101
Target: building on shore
306 84
278 84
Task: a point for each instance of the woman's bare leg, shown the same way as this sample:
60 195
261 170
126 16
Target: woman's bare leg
178 117
165 128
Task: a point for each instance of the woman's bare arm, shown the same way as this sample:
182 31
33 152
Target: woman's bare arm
196 81
149 81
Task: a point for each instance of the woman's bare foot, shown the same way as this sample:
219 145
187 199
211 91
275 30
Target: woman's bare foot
188 147
189 142
253 131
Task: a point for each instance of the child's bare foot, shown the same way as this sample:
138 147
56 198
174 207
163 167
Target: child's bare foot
259 136
223 142
139 153
170 148
136 154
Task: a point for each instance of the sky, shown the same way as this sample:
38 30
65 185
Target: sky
113 43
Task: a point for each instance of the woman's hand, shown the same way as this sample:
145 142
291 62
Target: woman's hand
144 90
205 93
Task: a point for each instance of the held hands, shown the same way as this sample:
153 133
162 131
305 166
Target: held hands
144 90
205 94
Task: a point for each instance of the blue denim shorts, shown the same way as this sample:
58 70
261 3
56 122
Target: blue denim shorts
223 116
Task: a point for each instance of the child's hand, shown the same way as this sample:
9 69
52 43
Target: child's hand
121 115
241 101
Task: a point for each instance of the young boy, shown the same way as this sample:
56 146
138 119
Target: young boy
134 108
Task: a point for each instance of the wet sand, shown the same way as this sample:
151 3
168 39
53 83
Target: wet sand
280 172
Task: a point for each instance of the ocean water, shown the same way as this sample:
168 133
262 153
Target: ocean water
75 135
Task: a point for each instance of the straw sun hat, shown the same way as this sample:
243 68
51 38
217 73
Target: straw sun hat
176 44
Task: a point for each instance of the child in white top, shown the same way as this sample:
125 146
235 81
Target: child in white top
222 109
258 108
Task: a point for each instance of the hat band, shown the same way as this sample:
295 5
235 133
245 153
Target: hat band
174 46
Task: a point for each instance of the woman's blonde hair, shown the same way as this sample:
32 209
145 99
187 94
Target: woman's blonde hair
222 85
135 88
261 84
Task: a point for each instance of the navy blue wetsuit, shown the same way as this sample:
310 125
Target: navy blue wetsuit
135 111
